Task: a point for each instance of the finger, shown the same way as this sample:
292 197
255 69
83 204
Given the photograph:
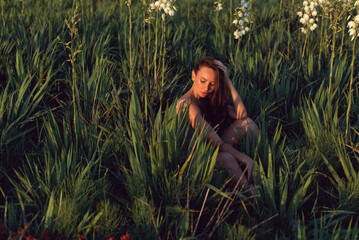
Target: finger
220 65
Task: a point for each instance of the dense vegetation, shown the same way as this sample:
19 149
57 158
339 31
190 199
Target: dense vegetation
91 147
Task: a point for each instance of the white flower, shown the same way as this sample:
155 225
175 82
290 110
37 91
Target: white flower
218 5
352 24
353 27
171 12
162 5
307 16
236 34
352 32
245 4
356 4
241 20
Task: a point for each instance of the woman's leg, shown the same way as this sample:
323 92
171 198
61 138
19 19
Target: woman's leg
231 165
239 129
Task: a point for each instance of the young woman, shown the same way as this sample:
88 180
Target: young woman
208 109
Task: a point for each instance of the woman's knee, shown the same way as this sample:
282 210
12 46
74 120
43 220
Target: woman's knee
246 125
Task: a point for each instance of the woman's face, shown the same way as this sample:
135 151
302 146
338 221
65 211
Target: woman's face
204 81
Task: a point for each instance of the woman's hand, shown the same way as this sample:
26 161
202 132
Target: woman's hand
241 158
221 66
248 162
250 173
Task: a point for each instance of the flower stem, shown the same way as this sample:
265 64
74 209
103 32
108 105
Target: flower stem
230 14
92 8
342 42
163 58
155 58
350 88
321 43
333 48
3 12
130 44
188 8
148 48
305 44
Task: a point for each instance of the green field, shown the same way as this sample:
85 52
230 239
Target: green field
91 146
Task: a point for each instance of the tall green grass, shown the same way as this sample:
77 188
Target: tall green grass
90 143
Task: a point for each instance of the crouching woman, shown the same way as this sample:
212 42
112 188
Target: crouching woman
225 125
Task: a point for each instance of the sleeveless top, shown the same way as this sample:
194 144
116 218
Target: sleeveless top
224 124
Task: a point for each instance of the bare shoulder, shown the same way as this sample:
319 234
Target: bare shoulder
183 101
193 107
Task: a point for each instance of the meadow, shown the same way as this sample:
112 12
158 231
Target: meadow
91 146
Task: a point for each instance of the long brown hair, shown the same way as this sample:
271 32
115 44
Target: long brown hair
214 107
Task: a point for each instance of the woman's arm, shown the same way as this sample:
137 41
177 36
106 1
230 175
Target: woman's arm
239 110
198 122
238 105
